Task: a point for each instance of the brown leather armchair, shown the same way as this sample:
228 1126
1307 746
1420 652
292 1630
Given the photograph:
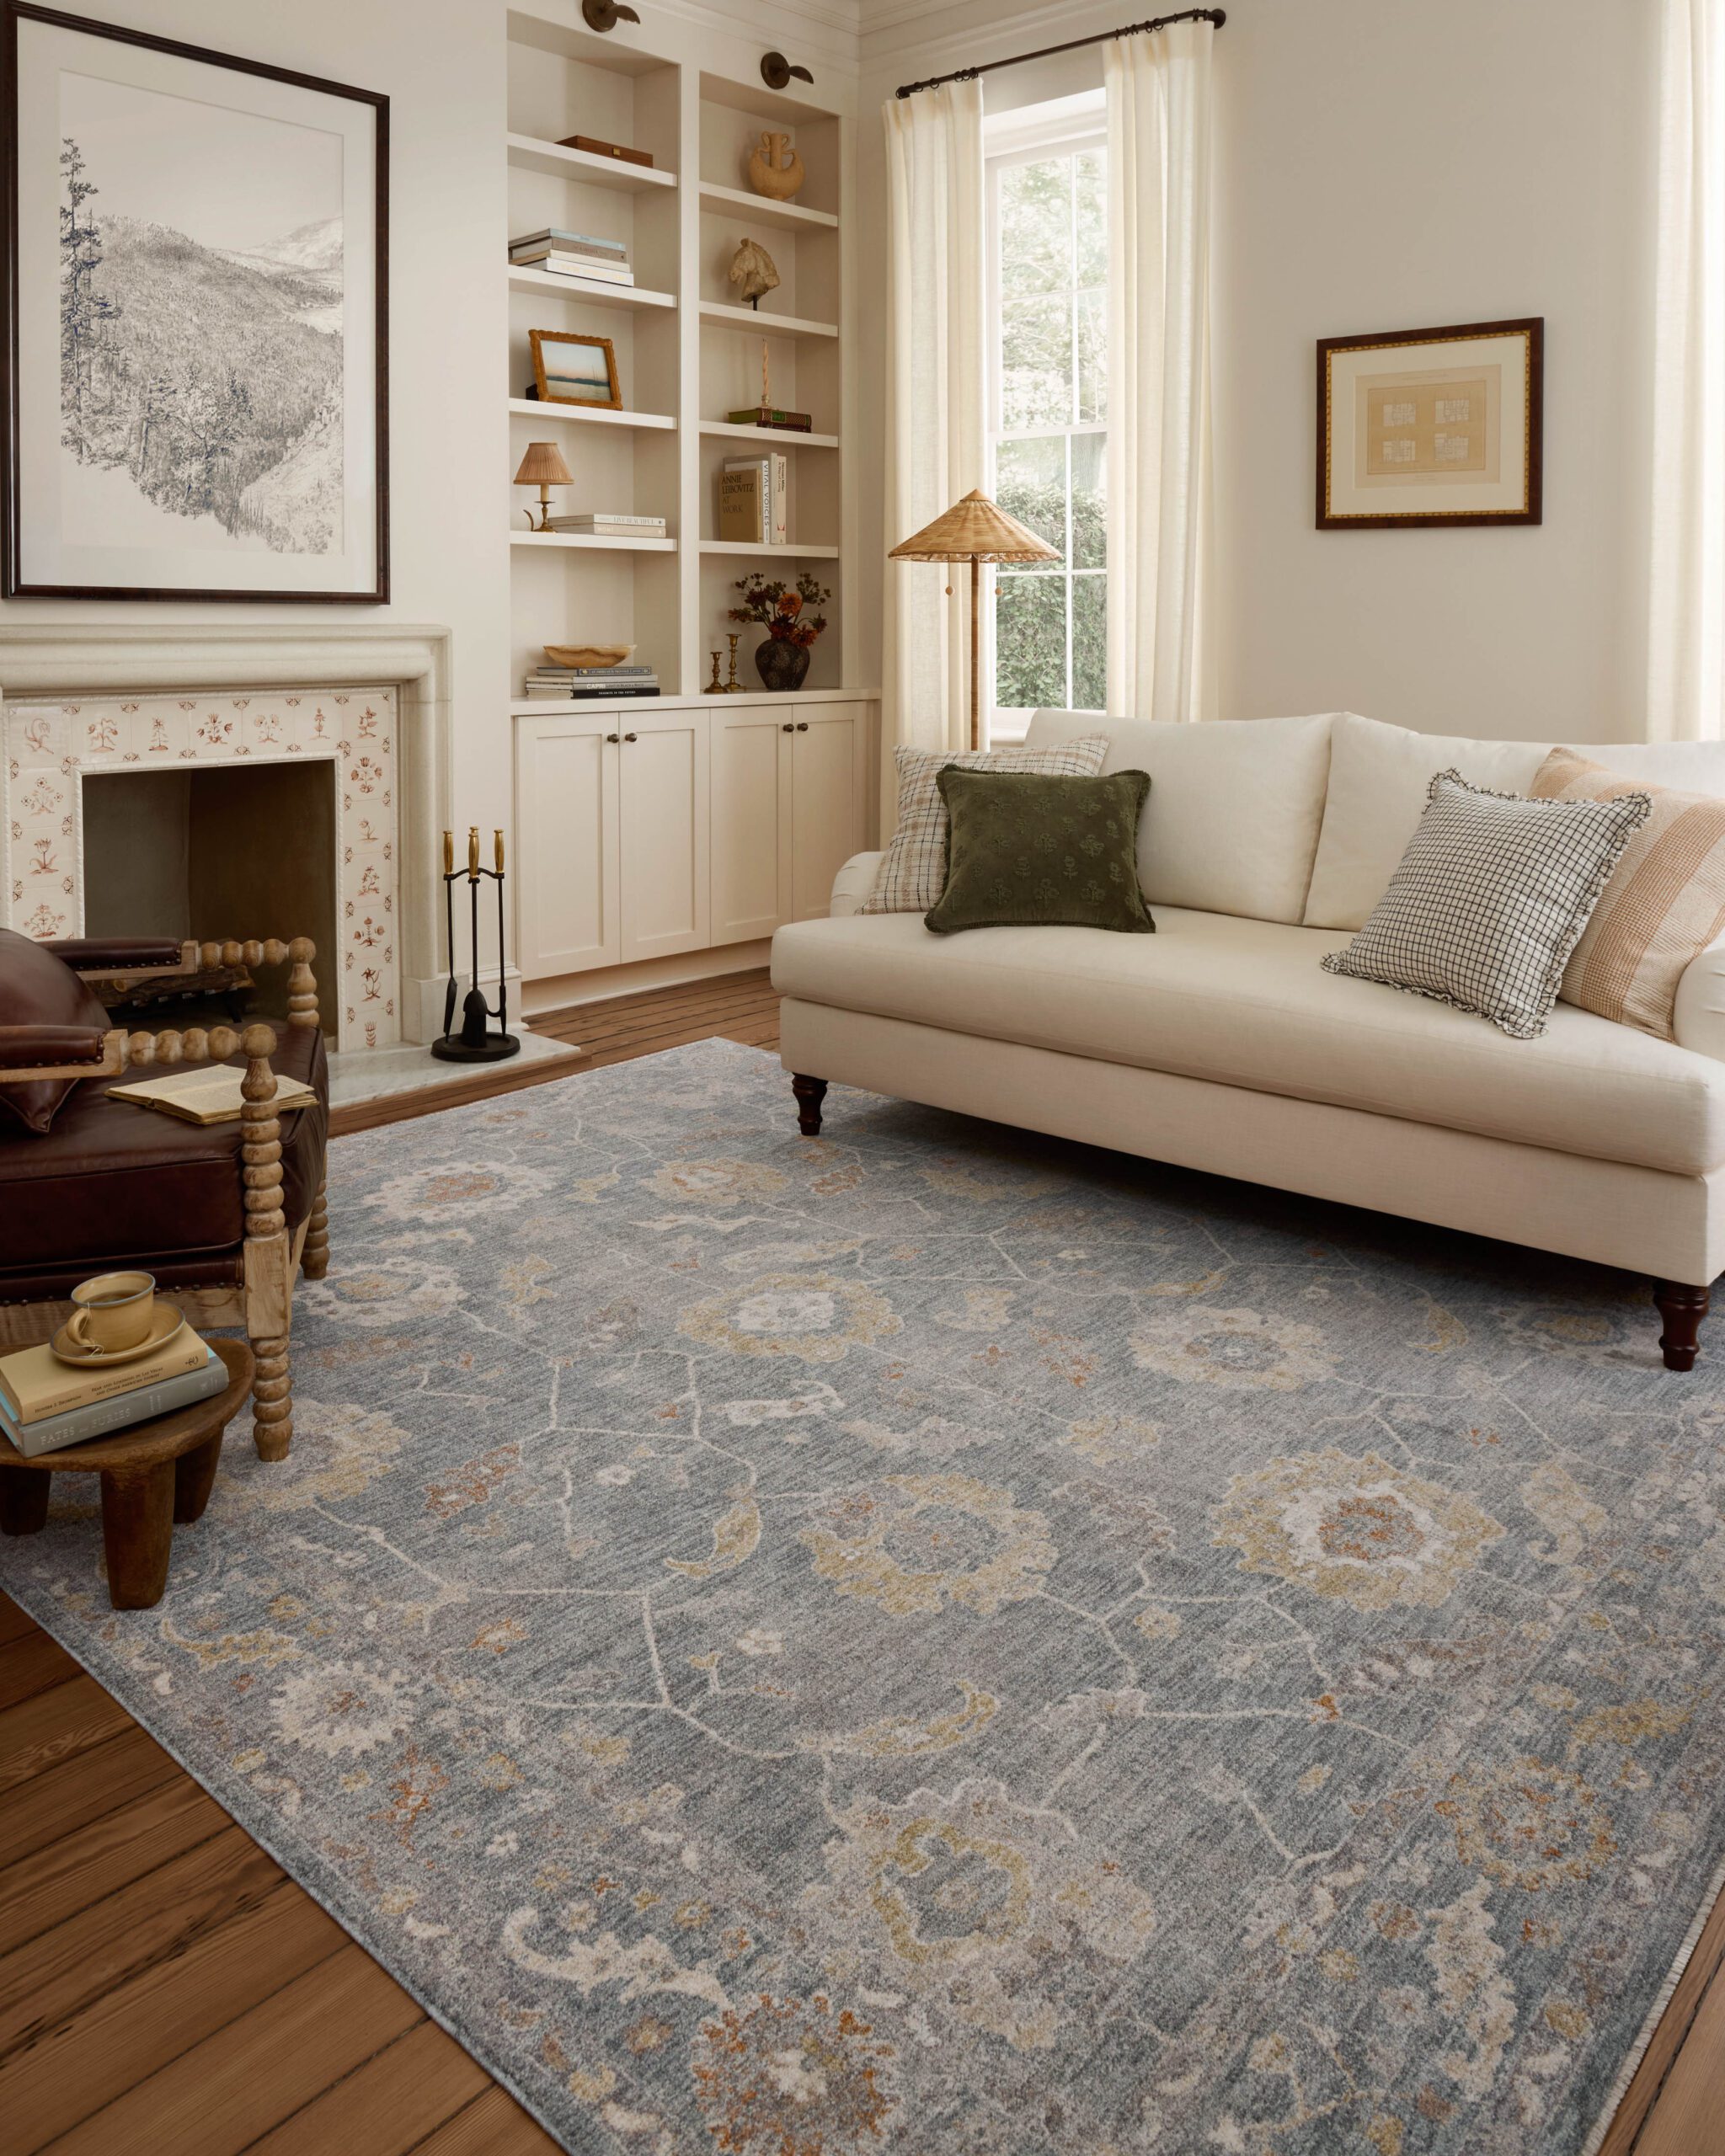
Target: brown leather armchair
225 1216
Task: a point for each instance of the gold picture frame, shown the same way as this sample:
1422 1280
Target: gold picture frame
576 384
1432 426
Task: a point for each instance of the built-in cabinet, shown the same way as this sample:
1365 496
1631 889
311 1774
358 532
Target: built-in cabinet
645 832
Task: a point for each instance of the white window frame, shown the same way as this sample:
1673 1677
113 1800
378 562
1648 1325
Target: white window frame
1032 134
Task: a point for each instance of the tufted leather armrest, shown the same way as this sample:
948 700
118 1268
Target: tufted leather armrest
105 954
30 1052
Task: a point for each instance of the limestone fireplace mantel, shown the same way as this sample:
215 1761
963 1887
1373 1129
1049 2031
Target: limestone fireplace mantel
90 659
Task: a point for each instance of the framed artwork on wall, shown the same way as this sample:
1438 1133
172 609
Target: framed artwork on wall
569 369
1431 426
197 281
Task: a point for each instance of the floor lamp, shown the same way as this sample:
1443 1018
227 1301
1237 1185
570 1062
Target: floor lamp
974 531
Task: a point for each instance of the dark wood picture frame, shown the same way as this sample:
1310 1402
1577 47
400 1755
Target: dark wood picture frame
1533 328
538 338
13 585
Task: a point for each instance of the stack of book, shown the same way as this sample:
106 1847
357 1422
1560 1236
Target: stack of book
609 524
754 500
591 681
769 415
46 1404
601 263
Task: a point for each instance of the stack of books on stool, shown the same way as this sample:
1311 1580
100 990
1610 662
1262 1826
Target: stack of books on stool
81 1385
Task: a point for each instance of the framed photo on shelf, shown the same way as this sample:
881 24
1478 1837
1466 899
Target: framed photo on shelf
1432 426
197 280
571 369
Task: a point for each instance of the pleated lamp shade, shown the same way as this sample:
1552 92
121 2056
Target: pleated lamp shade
974 530
543 467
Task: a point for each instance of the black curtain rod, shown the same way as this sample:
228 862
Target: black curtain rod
1216 15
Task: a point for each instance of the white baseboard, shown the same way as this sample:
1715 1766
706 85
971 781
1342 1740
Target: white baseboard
568 988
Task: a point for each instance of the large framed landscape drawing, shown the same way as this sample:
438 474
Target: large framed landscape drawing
1431 426
197 326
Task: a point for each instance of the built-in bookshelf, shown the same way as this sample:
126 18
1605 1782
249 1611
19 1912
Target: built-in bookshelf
687 352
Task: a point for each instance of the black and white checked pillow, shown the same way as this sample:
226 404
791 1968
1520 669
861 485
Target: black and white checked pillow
913 874
1490 899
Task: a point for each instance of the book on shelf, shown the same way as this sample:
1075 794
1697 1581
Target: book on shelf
590 691
572 520
575 265
588 673
768 415
34 1383
600 148
119 1411
765 506
615 250
210 1093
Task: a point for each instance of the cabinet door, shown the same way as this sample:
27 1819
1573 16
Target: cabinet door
751 755
826 802
568 914
662 818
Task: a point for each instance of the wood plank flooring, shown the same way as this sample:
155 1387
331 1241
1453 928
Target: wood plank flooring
164 1987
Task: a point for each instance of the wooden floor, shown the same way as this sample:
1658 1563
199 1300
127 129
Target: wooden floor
166 1990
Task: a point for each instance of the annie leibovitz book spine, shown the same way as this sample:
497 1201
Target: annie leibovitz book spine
117 1413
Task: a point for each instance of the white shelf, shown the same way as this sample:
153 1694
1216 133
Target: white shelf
762 210
792 553
780 437
527 153
521 707
720 317
592 543
546 281
534 407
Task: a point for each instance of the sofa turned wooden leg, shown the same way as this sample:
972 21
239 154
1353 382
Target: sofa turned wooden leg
810 1092
1683 1309
314 1259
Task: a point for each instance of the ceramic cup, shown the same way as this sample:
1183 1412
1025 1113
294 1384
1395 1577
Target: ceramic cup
115 1310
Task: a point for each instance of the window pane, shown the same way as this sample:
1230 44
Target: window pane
1030 642
1090 526
1091 179
1030 484
1089 642
1035 227
1036 363
1092 355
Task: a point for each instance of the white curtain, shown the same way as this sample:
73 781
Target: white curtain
936 443
1159 398
1686 610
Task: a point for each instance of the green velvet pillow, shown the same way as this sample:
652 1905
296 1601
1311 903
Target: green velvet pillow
1029 849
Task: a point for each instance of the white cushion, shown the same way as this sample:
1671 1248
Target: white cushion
1378 779
1232 819
1246 1003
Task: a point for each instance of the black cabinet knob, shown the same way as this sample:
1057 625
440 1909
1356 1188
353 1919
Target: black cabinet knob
788 727
802 726
611 737
628 737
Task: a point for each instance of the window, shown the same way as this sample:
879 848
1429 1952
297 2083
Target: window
1047 408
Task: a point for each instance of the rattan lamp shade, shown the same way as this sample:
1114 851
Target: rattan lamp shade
974 531
543 467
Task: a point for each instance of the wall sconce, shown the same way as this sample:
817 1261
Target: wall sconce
776 71
606 14
543 467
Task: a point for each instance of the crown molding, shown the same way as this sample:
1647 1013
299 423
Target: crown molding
831 29
987 27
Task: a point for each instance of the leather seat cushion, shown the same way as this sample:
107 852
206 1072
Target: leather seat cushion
112 1184
38 988
1246 1003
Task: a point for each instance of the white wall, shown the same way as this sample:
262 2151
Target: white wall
441 64
1382 165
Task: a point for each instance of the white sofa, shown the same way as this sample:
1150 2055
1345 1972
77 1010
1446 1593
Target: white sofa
1221 1044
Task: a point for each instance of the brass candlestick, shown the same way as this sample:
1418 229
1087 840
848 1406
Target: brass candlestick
733 687
715 687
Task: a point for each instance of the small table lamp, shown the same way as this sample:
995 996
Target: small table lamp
974 531
543 467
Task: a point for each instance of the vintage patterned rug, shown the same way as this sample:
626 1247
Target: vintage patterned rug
939 1643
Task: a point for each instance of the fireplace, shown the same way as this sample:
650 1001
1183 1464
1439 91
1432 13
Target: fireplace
229 780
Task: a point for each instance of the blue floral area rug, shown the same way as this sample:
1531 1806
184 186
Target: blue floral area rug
934 1642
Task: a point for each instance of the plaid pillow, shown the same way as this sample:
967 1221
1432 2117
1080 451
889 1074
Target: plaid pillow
1490 899
913 873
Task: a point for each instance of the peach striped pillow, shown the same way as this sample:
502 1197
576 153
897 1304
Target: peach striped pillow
1664 903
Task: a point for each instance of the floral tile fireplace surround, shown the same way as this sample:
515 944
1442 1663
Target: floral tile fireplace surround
371 702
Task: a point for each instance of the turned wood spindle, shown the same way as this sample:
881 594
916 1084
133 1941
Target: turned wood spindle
272 1395
301 983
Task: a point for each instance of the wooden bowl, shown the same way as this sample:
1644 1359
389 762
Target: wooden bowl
588 654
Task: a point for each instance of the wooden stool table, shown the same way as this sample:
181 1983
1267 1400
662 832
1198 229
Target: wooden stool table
152 1475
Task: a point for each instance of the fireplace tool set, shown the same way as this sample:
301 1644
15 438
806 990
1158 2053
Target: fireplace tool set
475 1043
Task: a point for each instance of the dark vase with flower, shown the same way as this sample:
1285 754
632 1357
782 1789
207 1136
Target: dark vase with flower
781 663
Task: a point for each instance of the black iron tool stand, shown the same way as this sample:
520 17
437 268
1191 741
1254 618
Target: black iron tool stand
475 1043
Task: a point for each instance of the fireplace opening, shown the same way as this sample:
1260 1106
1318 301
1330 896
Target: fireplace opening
242 849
